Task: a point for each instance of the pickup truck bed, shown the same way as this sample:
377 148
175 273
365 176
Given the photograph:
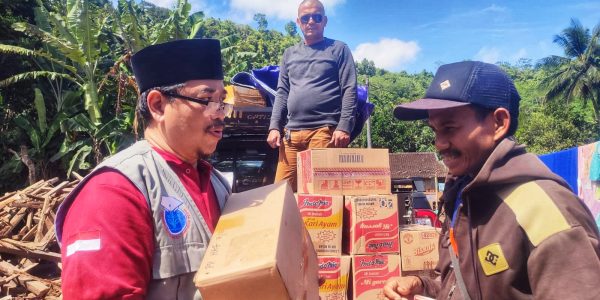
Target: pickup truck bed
243 154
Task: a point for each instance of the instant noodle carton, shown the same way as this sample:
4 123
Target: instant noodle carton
336 271
419 247
370 272
322 215
344 171
371 224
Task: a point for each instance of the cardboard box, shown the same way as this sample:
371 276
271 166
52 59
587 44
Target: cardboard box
336 271
260 250
323 215
371 224
370 272
419 247
344 171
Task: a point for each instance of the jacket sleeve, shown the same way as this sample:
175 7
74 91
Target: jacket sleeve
566 266
347 75
279 112
108 241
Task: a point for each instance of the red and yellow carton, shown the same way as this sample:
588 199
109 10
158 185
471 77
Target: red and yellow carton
336 271
370 274
371 224
419 247
323 215
344 171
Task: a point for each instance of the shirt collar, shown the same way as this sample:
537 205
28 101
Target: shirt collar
172 159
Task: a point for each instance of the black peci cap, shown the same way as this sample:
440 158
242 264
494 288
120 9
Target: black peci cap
177 62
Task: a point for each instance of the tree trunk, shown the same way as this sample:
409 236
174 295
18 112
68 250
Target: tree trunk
24 156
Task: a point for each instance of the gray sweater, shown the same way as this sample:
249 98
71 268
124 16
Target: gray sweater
317 87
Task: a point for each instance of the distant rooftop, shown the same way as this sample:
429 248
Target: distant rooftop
416 164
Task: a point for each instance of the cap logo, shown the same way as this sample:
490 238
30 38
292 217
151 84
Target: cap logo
445 84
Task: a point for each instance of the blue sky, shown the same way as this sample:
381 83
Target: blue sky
422 34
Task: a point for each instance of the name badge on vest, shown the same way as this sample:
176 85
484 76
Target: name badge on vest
175 215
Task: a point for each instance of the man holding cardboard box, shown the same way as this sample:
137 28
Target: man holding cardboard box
138 226
513 230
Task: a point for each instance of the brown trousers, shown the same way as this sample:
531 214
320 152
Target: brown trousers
295 141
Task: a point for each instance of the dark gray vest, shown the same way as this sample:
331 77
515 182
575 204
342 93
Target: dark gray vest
180 232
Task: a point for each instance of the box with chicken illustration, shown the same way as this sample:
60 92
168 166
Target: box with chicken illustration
336 272
370 272
322 215
344 171
260 250
371 224
419 247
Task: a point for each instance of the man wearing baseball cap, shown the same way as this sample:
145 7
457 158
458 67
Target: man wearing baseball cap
512 228
138 225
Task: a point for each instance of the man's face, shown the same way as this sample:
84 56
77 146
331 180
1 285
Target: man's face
193 129
463 141
313 31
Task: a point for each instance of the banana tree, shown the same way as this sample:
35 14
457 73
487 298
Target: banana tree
87 139
72 49
41 133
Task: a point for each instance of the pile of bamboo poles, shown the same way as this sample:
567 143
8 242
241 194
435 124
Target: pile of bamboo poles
29 254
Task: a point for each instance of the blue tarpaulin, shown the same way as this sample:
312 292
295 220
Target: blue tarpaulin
563 163
265 80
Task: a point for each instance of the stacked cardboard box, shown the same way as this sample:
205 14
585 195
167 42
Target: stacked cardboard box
358 180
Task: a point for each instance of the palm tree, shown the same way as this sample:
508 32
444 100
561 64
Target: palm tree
577 74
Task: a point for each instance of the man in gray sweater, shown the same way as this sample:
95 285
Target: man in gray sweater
316 95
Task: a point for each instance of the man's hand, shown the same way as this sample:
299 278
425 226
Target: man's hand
340 139
274 138
402 288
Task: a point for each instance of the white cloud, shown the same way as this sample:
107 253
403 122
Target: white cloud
494 9
488 55
163 3
280 9
521 53
197 5
390 54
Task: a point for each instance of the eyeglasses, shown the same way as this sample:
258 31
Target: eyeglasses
212 107
318 18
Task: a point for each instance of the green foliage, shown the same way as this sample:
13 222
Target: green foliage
291 29
261 21
556 126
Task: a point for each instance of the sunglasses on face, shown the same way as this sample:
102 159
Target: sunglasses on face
212 107
317 18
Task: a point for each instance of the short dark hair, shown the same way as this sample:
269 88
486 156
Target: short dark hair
142 107
481 112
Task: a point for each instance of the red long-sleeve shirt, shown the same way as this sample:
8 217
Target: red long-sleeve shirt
110 210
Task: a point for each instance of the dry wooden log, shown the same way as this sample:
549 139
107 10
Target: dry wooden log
42 221
79 177
7 195
30 235
57 189
37 286
13 222
13 247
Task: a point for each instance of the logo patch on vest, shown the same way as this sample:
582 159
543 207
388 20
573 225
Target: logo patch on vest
175 216
492 259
